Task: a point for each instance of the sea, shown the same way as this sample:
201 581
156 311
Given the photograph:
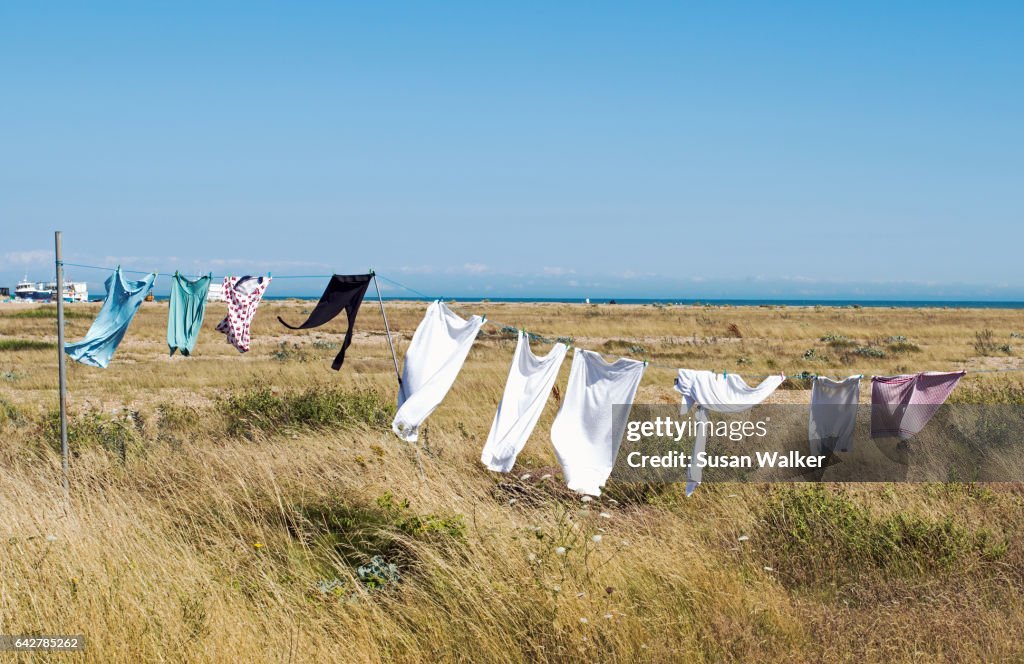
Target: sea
852 304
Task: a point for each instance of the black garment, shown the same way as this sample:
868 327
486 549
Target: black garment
344 292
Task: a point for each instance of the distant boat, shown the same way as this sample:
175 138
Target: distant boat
38 291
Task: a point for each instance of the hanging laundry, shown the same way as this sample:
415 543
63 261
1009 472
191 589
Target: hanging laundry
833 414
902 405
185 315
585 434
436 353
529 382
710 391
345 293
243 295
119 306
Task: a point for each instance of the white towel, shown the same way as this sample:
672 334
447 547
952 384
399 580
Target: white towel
833 414
585 437
435 355
526 391
711 391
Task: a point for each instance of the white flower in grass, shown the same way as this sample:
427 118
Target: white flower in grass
586 499
769 569
560 551
546 476
556 588
596 539
608 616
51 538
743 538
605 515
583 621
524 476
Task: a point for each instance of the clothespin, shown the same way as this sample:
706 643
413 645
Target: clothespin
270 275
725 373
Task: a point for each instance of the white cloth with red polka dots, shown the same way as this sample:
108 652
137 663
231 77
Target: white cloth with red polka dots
243 295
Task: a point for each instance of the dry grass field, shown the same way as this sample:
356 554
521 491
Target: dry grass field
256 507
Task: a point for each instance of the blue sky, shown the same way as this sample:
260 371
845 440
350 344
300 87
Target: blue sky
595 149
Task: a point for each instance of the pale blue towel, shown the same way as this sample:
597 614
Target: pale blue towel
119 307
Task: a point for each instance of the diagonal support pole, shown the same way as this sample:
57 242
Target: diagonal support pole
394 358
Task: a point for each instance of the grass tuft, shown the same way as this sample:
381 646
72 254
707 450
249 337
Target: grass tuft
17 345
820 536
264 409
48 312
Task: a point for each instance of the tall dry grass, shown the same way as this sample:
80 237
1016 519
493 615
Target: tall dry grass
251 508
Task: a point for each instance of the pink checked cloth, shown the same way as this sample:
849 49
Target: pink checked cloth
902 405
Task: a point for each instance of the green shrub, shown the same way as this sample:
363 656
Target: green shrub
94 429
8 412
985 344
819 536
359 533
988 392
287 352
897 347
620 345
49 312
838 341
263 409
14 345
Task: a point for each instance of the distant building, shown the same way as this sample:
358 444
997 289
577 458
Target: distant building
216 293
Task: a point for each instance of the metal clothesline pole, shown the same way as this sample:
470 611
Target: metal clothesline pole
394 357
61 368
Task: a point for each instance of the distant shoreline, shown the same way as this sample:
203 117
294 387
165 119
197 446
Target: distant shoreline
713 302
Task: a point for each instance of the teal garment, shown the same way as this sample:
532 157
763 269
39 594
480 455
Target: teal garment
119 307
188 304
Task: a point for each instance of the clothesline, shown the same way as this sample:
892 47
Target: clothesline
547 340
170 273
585 436
499 324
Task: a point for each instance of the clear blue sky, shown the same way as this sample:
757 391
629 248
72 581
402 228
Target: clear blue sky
528 148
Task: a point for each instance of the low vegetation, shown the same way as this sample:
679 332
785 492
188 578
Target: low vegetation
15 345
256 507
